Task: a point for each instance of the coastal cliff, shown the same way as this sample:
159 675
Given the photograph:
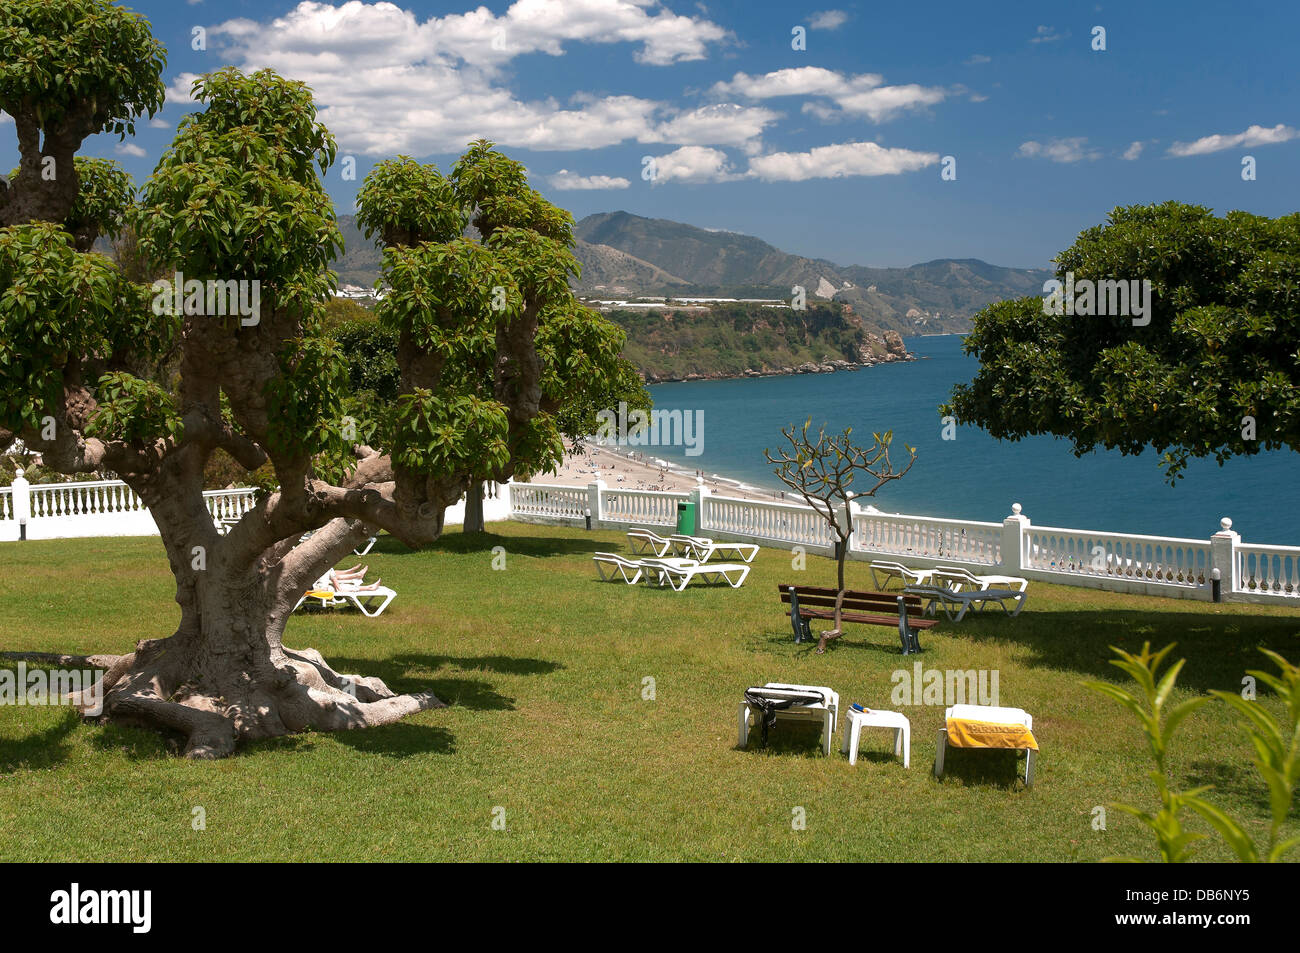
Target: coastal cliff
751 339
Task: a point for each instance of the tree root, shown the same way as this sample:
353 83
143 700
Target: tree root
215 713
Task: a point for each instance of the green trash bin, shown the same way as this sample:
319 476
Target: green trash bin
686 519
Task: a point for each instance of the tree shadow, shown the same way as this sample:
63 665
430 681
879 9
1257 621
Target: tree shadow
503 664
1242 784
45 749
1218 648
466 543
471 693
399 740
137 743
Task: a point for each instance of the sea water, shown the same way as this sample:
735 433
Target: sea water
975 476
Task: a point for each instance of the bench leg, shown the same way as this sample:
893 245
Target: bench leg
906 733
743 736
1029 767
853 733
828 729
940 751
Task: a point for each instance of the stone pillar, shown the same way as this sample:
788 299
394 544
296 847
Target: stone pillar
699 496
22 497
1223 557
1015 540
596 502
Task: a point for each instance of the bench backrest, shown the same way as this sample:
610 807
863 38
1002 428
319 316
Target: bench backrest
854 600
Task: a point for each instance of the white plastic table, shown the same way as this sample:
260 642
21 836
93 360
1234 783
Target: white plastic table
857 720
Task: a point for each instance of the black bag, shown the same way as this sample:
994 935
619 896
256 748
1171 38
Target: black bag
768 707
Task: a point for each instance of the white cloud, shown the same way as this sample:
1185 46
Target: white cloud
837 161
1253 136
693 164
978 59
5 117
157 122
828 20
567 181
1133 151
1059 150
129 149
725 124
1046 34
860 95
387 81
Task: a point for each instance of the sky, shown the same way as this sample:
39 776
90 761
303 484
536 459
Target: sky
862 133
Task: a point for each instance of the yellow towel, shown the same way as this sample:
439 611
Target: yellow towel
963 733
319 594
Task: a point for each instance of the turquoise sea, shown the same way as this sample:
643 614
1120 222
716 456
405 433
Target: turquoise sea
974 476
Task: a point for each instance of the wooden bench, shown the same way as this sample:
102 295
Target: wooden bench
902 612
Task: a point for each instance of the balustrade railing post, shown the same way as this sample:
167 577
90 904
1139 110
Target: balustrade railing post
596 501
698 497
1223 557
1014 541
22 497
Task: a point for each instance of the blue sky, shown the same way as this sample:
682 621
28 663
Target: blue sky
832 151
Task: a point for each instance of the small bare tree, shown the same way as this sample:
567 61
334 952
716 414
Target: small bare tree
822 470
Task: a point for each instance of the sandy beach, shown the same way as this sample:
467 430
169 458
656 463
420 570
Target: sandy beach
637 470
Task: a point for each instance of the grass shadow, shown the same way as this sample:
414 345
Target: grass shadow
424 673
786 738
45 749
1217 647
400 740
467 543
1002 768
1239 783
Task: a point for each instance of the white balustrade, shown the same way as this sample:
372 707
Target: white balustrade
786 522
642 507
230 504
959 541
1272 570
1159 559
547 501
86 498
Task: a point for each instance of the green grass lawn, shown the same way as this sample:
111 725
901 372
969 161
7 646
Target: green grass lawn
543 668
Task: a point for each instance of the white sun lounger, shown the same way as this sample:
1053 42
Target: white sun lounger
678 573
364 599
825 711
646 541
888 571
703 548
962 600
610 565
956 578
989 715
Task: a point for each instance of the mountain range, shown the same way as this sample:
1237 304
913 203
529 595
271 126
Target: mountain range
627 256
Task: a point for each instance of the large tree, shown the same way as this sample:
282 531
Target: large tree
491 344
1210 371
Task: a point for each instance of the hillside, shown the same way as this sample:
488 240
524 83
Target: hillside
936 296
744 339
707 259
856 314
